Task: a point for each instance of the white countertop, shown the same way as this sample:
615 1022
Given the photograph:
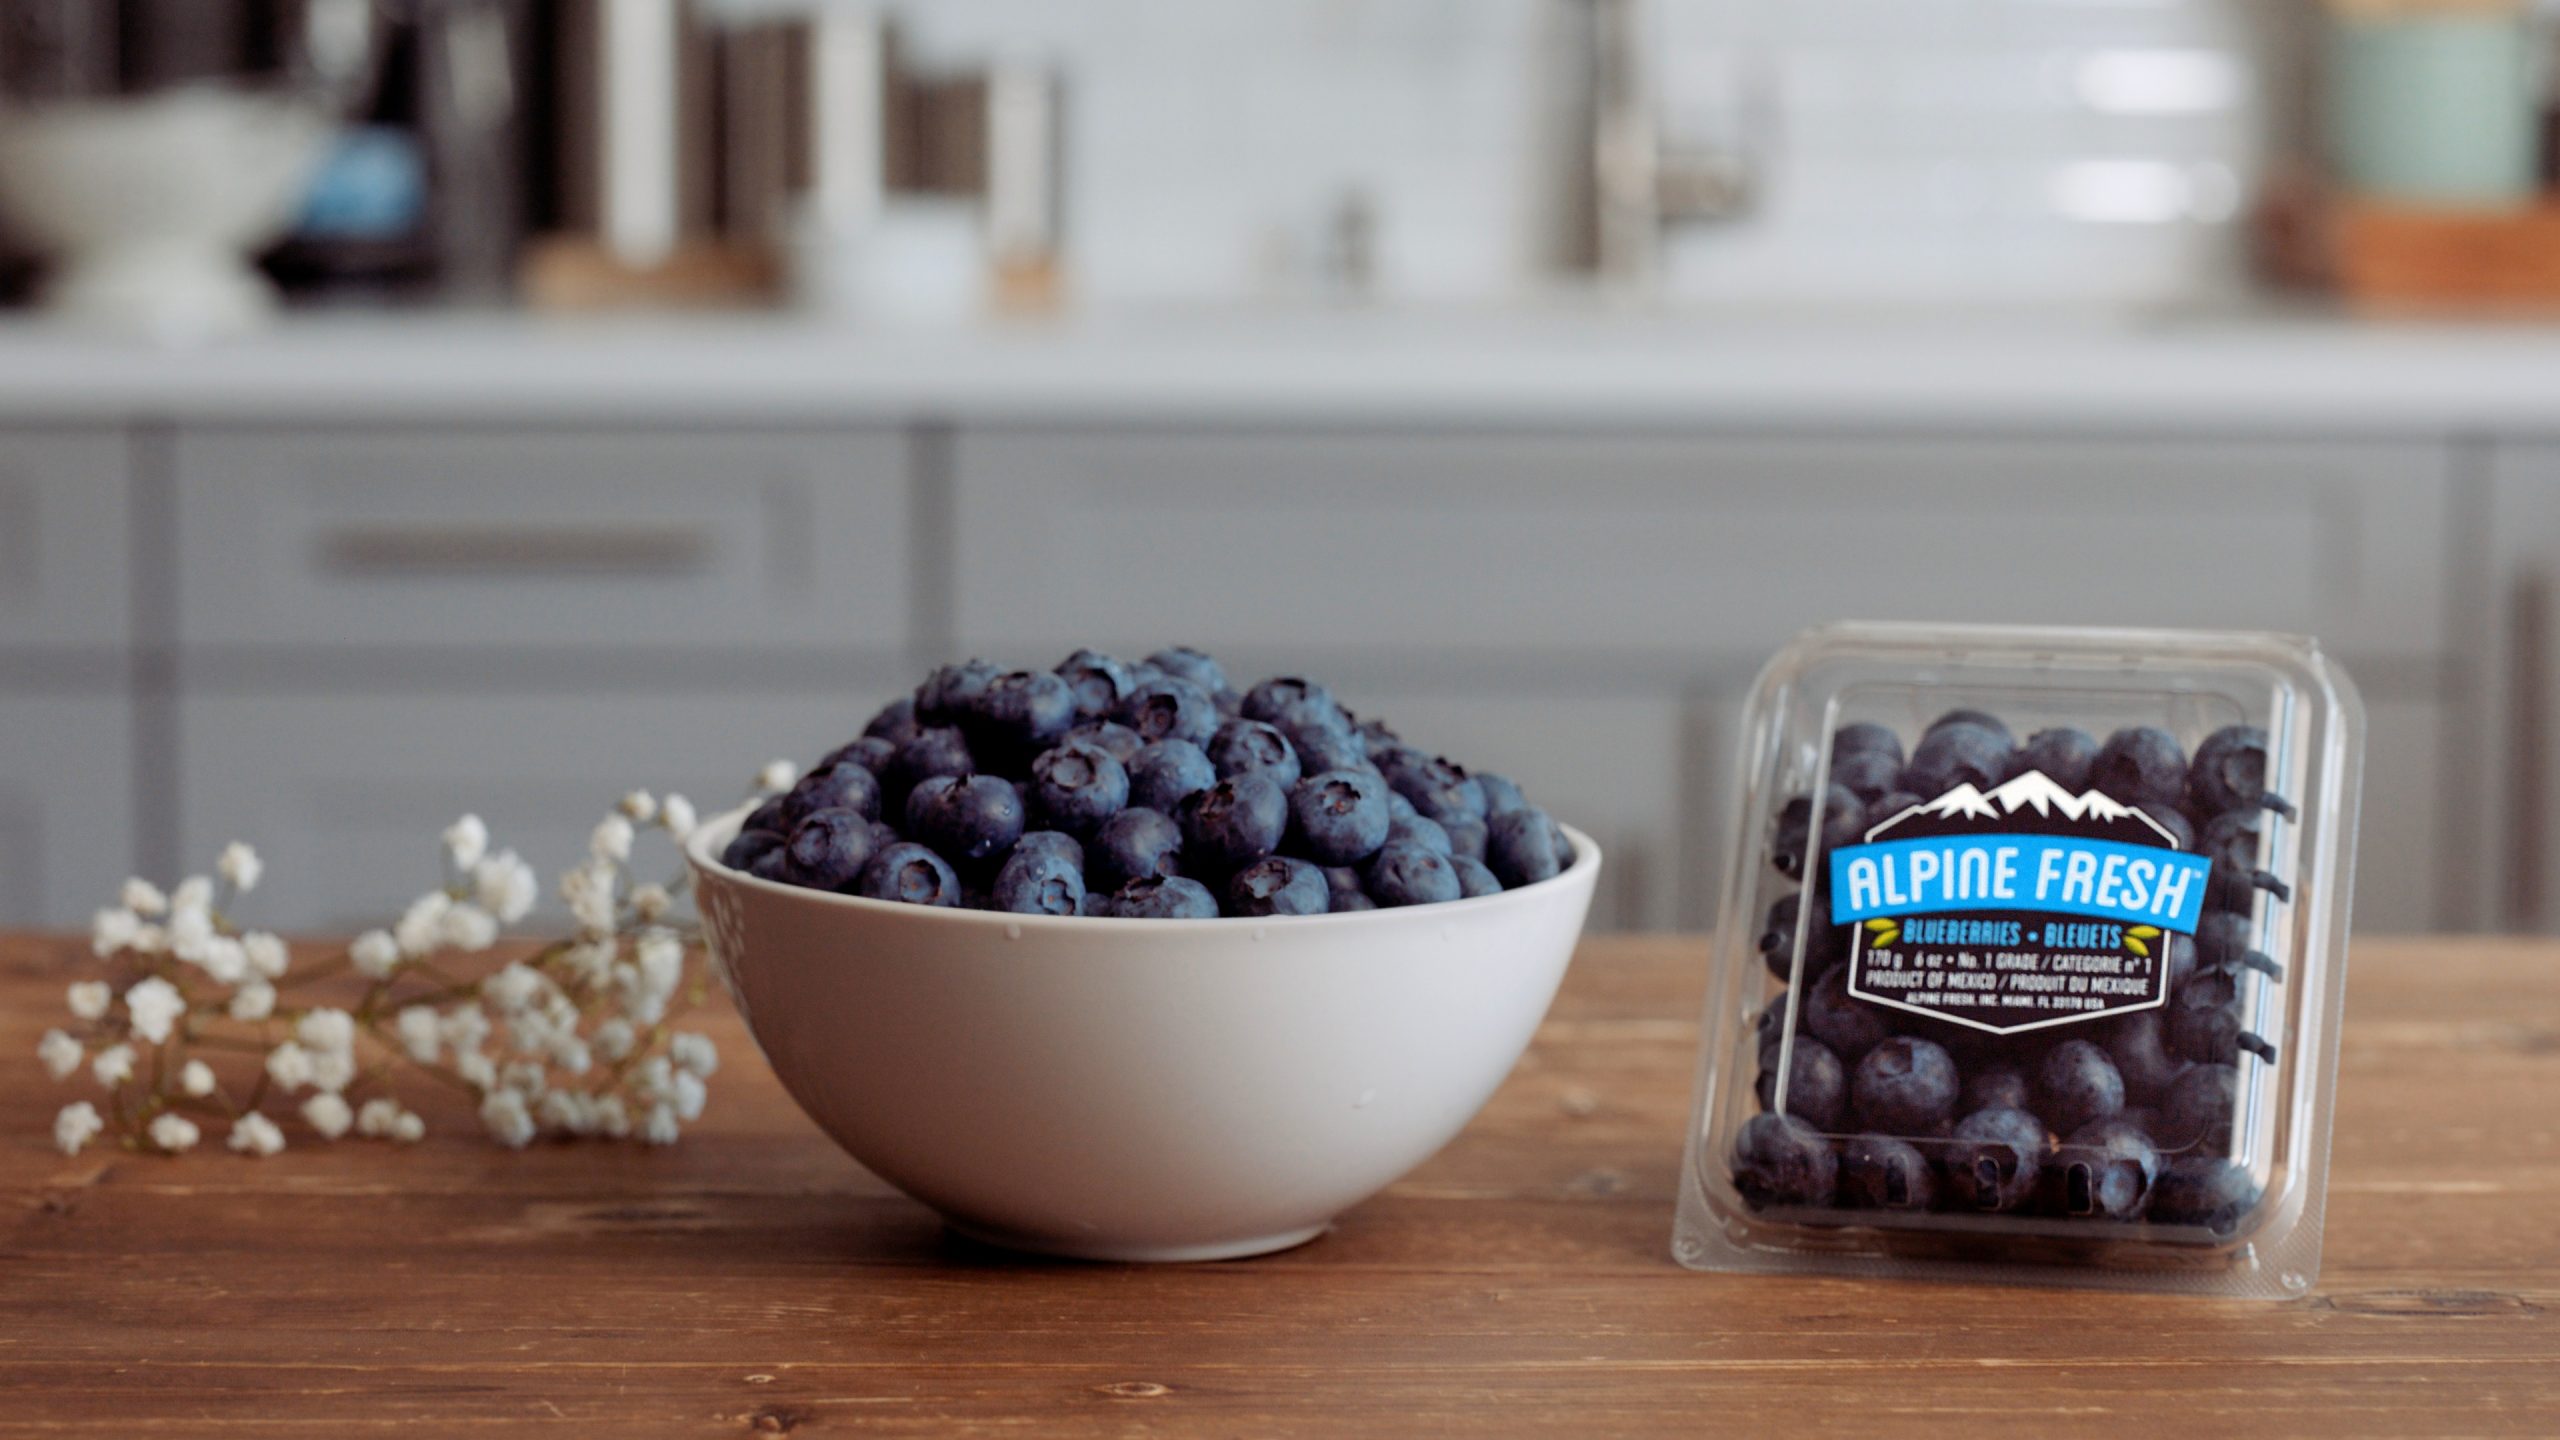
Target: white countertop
1701 371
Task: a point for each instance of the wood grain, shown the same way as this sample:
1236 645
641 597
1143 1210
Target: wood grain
753 1281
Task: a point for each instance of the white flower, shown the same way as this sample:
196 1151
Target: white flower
326 1029
653 1079
225 959
529 1031
190 932
589 891
507 1121
60 1053
375 954
525 1077
241 866
505 887
469 928
111 931
566 1110
155 1005
465 1028
90 999
639 806
694 1051
776 776
591 961
610 1117
377 1116
422 924
570 1053
255 1000
408 1129
332 1070
289 1066
150 940
193 893
255 1134
676 813
266 954
418 1031
477 1070
613 1039
143 898
465 841
114 1065
76 1125
512 989
196 1078
661 958
175 1133
660 1128
328 1114
690 1093
650 901
611 840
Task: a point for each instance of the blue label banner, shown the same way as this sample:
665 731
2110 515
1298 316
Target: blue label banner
2059 874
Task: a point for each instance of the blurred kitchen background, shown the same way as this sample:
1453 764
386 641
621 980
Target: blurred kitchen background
411 406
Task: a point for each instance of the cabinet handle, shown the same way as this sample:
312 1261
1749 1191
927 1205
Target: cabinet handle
2530 680
431 551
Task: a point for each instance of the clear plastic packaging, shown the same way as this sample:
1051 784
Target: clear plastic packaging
2059 999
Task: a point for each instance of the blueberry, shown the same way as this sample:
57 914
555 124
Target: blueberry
1865 737
1398 807
969 821
1525 846
1136 844
772 815
2197 1112
2141 762
1051 842
1167 897
1995 1159
2139 1045
2202 1022
1096 903
1278 885
1343 892
1185 663
1473 878
938 750
1468 836
837 787
1997 1088
1340 817
1171 708
1868 774
1098 682
1878 1172
1024 712
1320 750
1077 786
748 846
1039 881
829 848
2230 773
1845 1023
1167 772
871 752
2078 1084
1780 1160
2173 820
952 692
1824 942
1123 742
1230 704
1287 702
1403 873
1905 1087
1414 830
1376 736
2066 756
773 864
2106 1167
1957 754
1978 719
1886 807
1242 745
2204 1190
1844 819
1817 1086
1501 795
2222 937
1769 1026
1234 822
2233 841
911 874
1439 788
896 722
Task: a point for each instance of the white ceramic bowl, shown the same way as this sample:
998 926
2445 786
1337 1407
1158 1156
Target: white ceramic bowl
1138 1089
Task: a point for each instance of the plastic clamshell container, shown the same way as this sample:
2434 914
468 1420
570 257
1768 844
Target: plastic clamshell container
2045 1006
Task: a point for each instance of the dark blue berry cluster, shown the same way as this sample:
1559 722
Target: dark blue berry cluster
2125 1118
1145 791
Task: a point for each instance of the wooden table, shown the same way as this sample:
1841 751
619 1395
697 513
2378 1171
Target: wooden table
751 1280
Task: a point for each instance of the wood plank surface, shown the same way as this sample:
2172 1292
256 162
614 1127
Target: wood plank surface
752 1280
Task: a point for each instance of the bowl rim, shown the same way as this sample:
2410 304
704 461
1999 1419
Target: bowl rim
706 865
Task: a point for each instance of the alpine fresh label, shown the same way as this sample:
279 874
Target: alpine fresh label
2020 908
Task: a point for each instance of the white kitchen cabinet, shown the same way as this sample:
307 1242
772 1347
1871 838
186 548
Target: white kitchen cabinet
65 540
621 540
346 794
2511 751
1689 549
67 816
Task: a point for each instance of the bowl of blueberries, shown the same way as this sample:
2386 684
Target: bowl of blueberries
1119 961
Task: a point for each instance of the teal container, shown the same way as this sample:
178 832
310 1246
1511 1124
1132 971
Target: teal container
2434 109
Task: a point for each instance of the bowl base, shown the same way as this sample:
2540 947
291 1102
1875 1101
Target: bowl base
1138 1254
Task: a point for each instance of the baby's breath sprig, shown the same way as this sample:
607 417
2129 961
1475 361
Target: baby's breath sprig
200 1023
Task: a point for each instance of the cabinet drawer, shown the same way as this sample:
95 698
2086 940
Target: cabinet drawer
65 540
66 807
345 796
1706 547
382 538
